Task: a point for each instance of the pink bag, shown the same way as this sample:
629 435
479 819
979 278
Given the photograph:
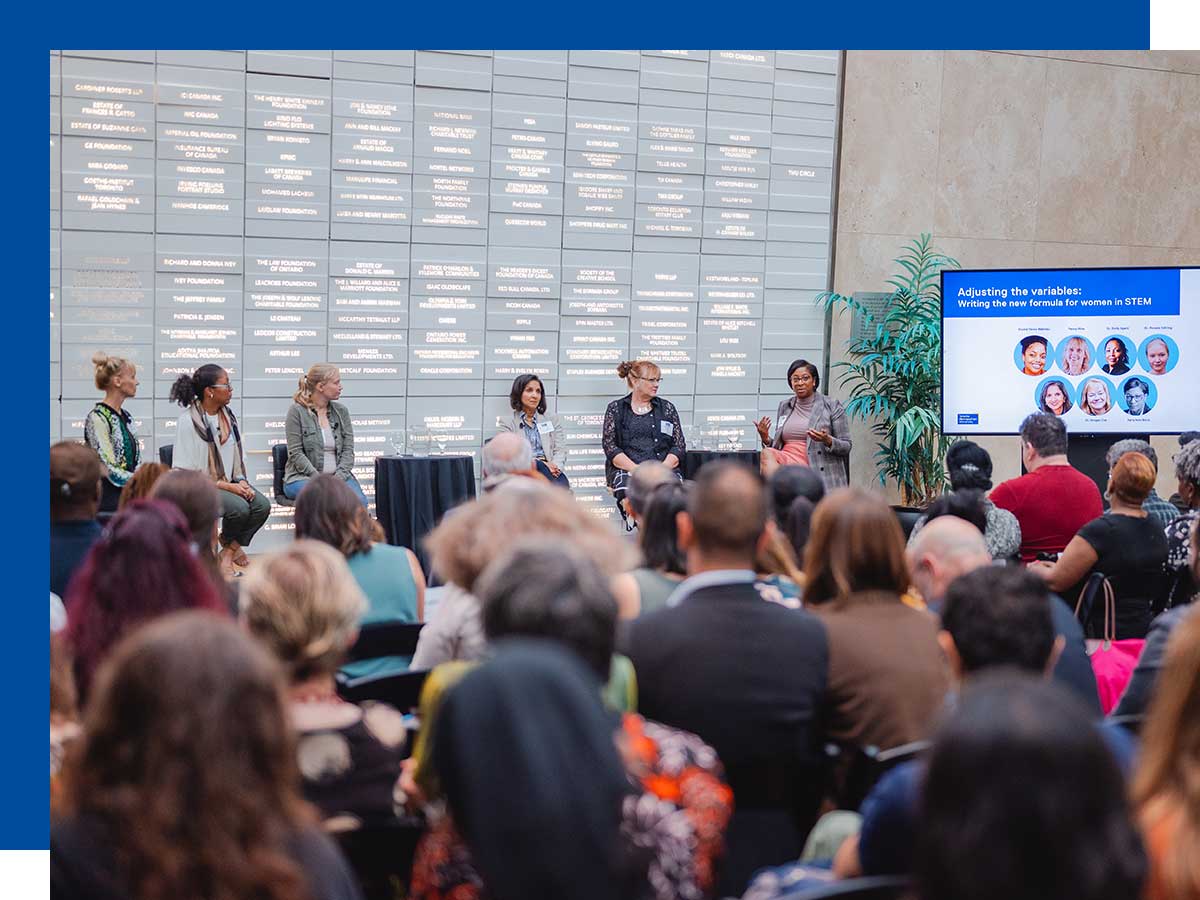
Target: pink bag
1113 661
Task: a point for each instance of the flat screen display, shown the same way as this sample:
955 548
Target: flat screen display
1108 350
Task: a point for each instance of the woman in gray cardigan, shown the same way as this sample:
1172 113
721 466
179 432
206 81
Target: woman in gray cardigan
530 419
810 430
320 437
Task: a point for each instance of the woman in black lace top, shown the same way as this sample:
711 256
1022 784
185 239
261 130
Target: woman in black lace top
640 426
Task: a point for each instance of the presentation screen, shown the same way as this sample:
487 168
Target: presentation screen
1108 350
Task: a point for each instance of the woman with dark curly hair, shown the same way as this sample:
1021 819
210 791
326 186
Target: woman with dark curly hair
184 785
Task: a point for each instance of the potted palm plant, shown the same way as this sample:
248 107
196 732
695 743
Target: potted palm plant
893 373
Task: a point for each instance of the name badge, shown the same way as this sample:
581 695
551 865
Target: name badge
545 427
667 428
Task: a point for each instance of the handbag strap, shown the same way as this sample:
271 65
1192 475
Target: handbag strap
1110 614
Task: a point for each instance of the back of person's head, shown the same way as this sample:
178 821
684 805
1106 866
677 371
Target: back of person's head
195 495
329 511
728 511
141 568
999 616
941 551
303 603
798 524
965 504
188 761
789 482
74 481
548 589
506 453
1187 465
969 465
1023 798
855 544
531 719
475 533
644 479
1167 779
1130 445
1188 437
1132 479
658 535
141 485
1045 433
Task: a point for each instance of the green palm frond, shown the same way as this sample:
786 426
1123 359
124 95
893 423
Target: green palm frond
893 373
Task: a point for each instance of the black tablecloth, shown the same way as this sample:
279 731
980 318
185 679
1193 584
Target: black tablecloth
413 493
694 459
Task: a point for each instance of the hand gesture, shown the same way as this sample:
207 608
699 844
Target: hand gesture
764 429
821 436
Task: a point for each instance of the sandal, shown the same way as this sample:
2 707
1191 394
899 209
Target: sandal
239 556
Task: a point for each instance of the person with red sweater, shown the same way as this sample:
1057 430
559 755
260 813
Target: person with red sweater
1054 499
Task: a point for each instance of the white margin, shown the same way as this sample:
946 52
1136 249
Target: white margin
1175 25
25 874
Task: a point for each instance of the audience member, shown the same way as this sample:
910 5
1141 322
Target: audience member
184 784
207 440
64 712
550 590
142 482
141 568
967 505
328 510
647 587
1145 675
304 606
1126 546
789 482
74 500
754 677
641 485
1187 471
505 456
779 578
1167 786
468 539
1054 500
531 720
970 469
108 427
798 526
1186 438
1158 509
948 548
196 497
886 675
1023 799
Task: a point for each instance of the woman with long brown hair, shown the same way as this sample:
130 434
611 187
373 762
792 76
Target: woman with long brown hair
887 678
185 783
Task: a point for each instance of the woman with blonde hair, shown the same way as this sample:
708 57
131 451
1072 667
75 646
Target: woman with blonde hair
640 426
1076 359
320 436
304 606
1166 787
1094 398
108 428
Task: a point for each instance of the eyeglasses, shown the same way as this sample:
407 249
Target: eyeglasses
804 377
226 385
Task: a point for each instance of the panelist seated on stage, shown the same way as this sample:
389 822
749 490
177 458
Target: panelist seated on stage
810 430
320 437
541 429
640 426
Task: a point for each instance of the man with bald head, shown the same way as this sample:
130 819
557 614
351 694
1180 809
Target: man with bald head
744 674
505 456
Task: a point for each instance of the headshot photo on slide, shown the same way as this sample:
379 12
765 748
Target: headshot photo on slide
1031 354
1075 354
1114 355
1138 395
1158 354
1096 396
1054 396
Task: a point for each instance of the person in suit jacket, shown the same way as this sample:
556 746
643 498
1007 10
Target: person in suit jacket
320 437
810 430
746 675
530 419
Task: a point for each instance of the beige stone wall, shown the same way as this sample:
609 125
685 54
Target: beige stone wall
1011 159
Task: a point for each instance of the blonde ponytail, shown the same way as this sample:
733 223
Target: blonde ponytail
107 368
317 373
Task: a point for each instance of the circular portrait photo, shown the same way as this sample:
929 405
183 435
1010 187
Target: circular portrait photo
1138 395
1097 396
1054 396
1031 355
1158 354
1114 355
1075 354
